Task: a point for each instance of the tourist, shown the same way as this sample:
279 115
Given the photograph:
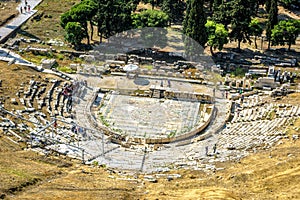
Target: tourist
215 148
28 8
25 9
242 98
55 124
21 9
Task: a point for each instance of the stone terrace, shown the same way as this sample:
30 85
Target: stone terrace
150 117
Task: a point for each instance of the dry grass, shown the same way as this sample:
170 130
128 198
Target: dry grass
266 175
83 183
142 6
29 175
8 10
291 99
270 174
49 25
12 77
19 169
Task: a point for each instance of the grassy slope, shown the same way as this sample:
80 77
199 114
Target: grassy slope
9 9
49 25
29 175
259 176
22 170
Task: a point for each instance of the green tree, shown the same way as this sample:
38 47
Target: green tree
74 33
255 29
150 18
256 4
217 35
114 16
82 13
91 13
65 18
194 22
216 4
241 12
174 9
272 20
222 12
210 5
187 10
268 5
286 32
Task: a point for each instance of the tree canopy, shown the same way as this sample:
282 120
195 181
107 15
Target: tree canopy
150 18
255 29
233 19
74 33
194 22
217 35
114 16
174 9
241 12
272 20
286 32
82 13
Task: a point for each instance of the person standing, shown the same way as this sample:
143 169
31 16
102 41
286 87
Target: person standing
21 9
215 148
28 8
206 150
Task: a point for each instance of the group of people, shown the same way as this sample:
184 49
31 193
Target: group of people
26 8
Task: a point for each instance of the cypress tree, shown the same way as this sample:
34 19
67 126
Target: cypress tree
174 9
194 21
216 4
268 5
114 16
186 17
241 12
272 20
222 12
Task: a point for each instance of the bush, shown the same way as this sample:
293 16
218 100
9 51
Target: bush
60 56
65 69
